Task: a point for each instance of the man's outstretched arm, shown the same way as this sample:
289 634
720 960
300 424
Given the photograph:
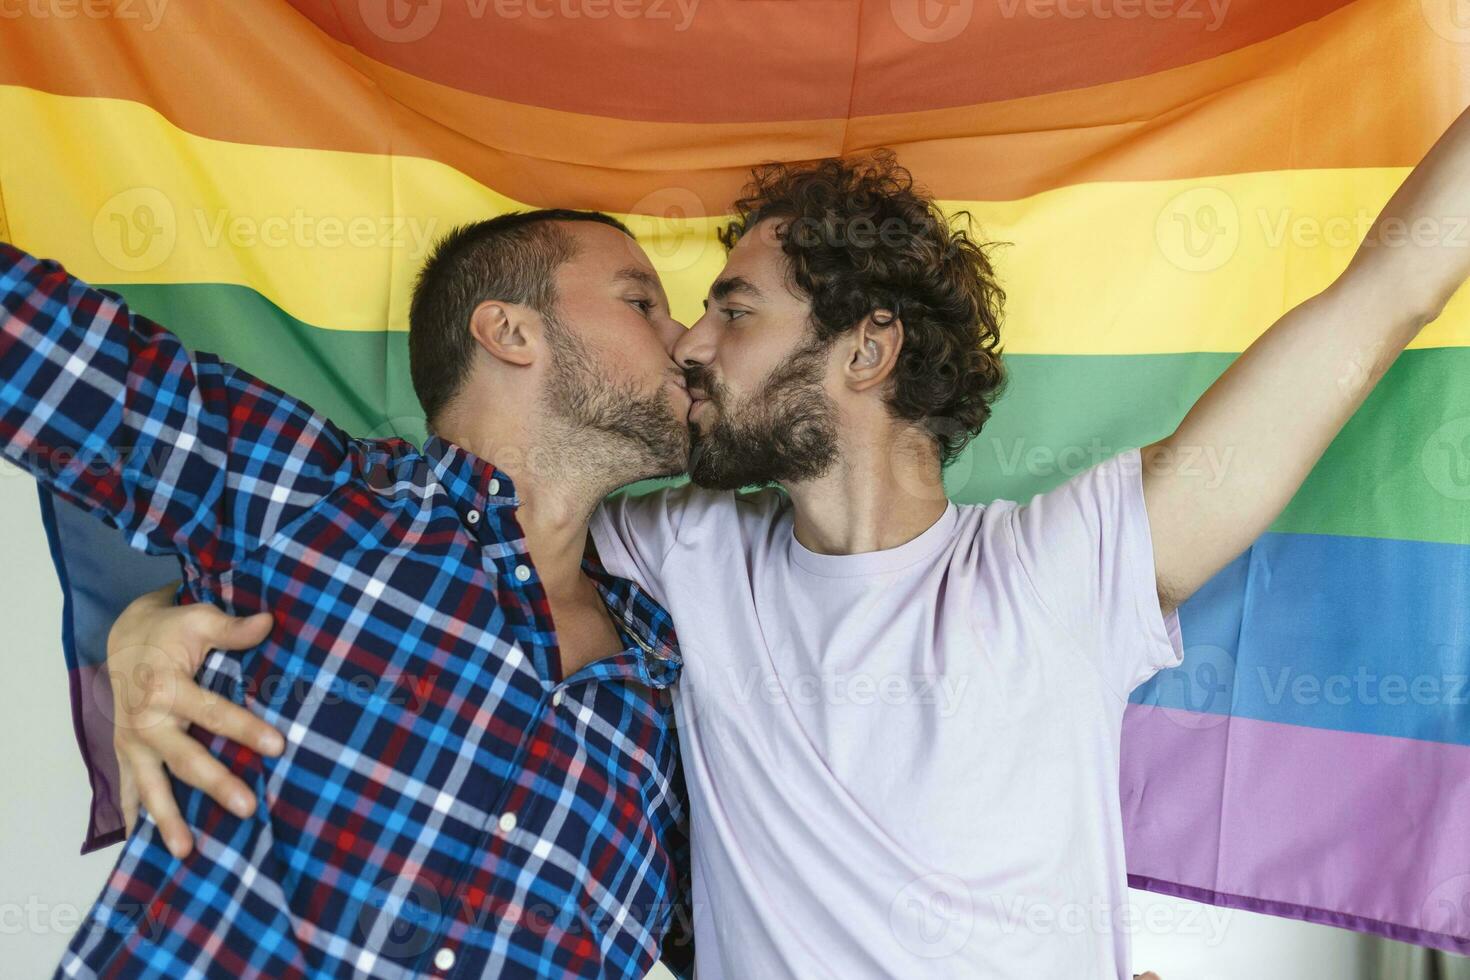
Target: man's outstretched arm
186 454
1273 413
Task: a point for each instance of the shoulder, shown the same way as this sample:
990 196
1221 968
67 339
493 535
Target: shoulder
689 510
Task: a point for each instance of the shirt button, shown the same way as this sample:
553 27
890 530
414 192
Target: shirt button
494 487
473 517
444 959
556 699
522 573
507 822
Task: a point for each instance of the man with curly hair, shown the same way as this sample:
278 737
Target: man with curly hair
900 717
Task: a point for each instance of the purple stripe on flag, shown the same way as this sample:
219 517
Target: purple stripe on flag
1293 821
99 576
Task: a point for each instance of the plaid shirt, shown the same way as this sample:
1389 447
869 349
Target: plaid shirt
448 803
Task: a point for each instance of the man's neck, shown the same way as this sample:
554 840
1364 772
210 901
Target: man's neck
881 493
556 502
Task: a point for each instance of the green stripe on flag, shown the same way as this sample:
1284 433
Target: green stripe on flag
1400 468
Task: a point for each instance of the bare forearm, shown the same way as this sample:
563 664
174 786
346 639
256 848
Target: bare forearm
1417 253
1267 421
1273 413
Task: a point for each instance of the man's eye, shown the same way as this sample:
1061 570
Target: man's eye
645 306
732 314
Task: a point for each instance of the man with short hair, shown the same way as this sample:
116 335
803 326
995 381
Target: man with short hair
479 772
900 718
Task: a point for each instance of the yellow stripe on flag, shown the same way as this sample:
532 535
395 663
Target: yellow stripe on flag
118 194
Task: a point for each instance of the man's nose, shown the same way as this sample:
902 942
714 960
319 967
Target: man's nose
696 345
669 332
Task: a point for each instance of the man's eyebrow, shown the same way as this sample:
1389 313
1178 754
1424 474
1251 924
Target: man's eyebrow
641 276
729 285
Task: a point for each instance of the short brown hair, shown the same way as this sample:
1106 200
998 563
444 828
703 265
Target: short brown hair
861 237
512 257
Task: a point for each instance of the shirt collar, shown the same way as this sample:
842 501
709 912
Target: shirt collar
659 660
468 478
477 485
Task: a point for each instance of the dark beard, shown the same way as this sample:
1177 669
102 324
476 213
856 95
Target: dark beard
646 434
786 432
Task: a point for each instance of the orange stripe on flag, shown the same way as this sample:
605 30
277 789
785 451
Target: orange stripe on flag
687 61
312 92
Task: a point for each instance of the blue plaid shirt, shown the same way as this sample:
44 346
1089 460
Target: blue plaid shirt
448 803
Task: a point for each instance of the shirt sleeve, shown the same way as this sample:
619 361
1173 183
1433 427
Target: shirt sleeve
1086 548
677 952
186 454
634 534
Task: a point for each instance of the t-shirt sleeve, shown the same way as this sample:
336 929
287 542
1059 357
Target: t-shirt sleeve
634 535
1086 548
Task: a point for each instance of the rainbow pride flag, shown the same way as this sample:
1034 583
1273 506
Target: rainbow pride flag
265 176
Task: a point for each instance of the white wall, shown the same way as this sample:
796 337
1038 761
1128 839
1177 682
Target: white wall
45 887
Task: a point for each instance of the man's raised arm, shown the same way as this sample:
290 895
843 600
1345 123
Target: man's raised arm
1273 413
186 454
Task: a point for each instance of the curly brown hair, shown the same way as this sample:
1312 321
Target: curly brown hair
861 237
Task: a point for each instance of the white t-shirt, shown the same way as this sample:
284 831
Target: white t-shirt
905 763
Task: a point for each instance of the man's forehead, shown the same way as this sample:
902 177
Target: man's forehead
754 267
611 252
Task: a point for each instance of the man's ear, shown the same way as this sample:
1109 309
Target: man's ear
875 343
505 331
